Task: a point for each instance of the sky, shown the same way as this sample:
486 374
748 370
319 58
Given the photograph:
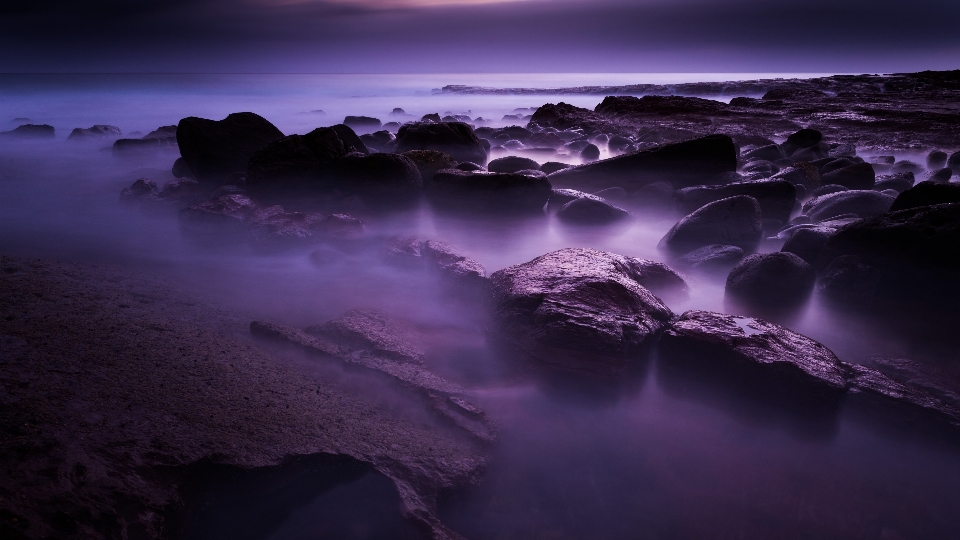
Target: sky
477 36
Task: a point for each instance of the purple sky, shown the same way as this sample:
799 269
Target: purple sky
414 36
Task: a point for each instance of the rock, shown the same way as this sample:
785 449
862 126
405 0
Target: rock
392 127
848 277
732 221
718 257
836 164
750 359
381 181
511 164
800 174
760 169
453 267
142 188
428 162
826 190
807 243
560 197
777 198
532 172
362 124
771 152
397 111
683 164
863 203
454 138
804 138
31 131
381 141
941 175
936 159
811 153
954 161
434 117
926 194
468 166
897 182
94 132
286 167
486 192
655 195
612 194
842 150
779 280
590 152
917 251
351 142
577 309
162 132
906 166
857 176
884 160
590 211
180 169
922 376
908 393
553 166
215 148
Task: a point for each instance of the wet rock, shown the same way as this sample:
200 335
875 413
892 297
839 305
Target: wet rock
381 141
912 403
487 192
321 138
779 280
553 166
94 132
732 221
180 169
215 148
512 164
682 164
455 268
612 194
560 197
577 309
811 153
936 159
381 181
590 152
906 166
428 162
827 190
655 195
433 117
862 203
954 161
926 194
800 174
941 175
916 250
532 172
590 211
777 198
715 257
836 164
770 152
807 243
470 167
362 124
857 176
849 277
897 182
454 138
31 131
804 138
760 169
922 376
286 167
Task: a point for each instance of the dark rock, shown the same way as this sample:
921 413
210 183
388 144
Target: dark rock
428 162
936 159
31 131
905 395
381 141
512 164
285 167
848 277
811 153
392 127
827 190
351 142
906 166
954 161
381 181
468 166
397 111
551 167
836 164
927 378
577 309
617 143
94 132
162 132
143 187
926 194
434 117
682 164
780 280
454 138
884 160
804 138
590 211
532 172
777 198
657 194
215 148
801 174
718 257
612 194
180 169
560 197
770 152
863 203
897 182
941 175
857 176
761 169
807 243
487 192
732 221
362 124
454 268
590 152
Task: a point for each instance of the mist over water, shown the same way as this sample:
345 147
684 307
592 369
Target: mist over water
643 460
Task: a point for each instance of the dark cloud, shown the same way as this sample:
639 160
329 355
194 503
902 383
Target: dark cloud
685 35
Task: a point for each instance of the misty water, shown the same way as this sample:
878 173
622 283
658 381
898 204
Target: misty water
641 460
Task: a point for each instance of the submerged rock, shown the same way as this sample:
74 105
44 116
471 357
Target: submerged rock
732 221
577 309
777 280
486 192
213 149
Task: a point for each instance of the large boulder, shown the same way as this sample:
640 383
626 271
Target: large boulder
916 251
285 166
805 138
863 203
800 174
590 211
683 164
777 280
213 149
512 164
428 162
807 242
362 124
732 221
577 309
381 181
856 176
926 194
776 197
454 138
486 192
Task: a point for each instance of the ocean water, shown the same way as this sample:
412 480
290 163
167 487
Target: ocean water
643 461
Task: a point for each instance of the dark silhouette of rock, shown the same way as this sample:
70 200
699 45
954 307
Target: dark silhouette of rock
778 280
826 190
590 211
362 124
836 164
710 258
560 197
141 188
926 194
455 268
553 166
94 132
863 203
954 161
434 117
31 131
807 242
454 138
849 277
180 169
856 176
381 181
897 182
777 198
351 142
428 162
286 167
511 164
770 152
590 152
612 194
733 221
800 174
468 166
576 309
214 149
381 141
682 164
804 138
487 192
941 175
